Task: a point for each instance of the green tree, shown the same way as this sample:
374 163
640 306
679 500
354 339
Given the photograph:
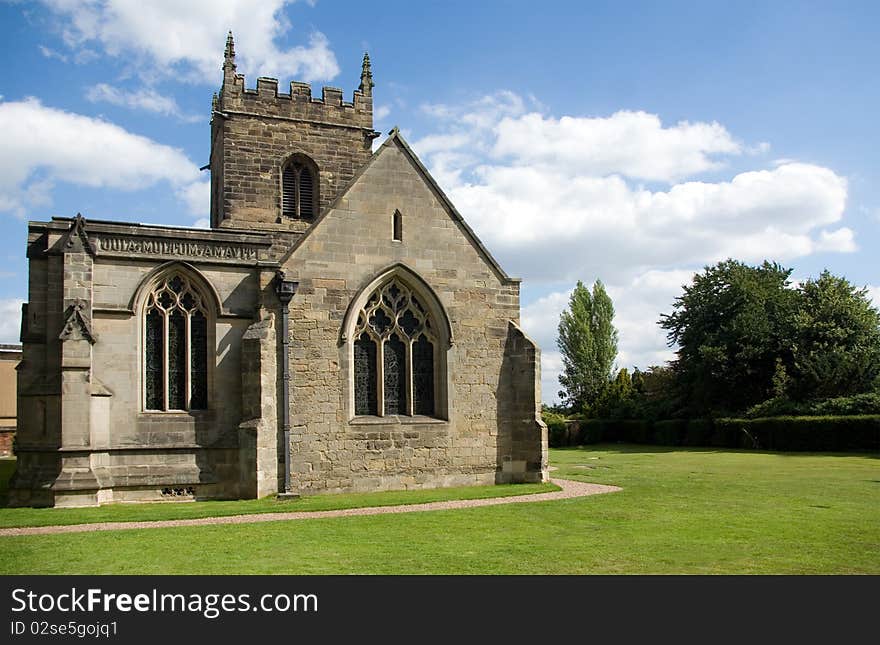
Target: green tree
731 325
617 400
837 340
604 335
588 344
655 392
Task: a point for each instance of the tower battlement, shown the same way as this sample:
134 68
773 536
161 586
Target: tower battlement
298 103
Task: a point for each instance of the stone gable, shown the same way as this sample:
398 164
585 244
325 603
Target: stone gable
348 248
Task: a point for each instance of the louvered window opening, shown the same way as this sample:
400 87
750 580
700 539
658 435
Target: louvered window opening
298 191
394 354
175 347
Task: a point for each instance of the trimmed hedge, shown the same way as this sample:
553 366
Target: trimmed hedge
855 405
827 433
670 432
612 431
699 432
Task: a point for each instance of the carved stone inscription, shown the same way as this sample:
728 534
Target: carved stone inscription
188 248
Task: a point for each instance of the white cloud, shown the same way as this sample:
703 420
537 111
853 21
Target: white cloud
38 192
468 139
85 55
44 145
841 240
486 111
197 197
874 295
381 112
638 306
555 198
634 144
10 320
169 38
146 99
873 213
480 115
51 53
204 222
540 318
434 143
551 368
548 226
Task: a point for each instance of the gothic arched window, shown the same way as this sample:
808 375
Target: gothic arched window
299 188
175 346
395 360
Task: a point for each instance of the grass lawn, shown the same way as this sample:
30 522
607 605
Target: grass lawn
10 517
681 511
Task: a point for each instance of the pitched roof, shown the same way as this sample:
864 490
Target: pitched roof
395 138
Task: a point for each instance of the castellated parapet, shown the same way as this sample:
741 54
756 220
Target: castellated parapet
256 131
298 103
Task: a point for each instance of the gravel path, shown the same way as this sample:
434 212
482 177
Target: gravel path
569 489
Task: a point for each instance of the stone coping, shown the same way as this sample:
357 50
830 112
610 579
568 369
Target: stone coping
62 224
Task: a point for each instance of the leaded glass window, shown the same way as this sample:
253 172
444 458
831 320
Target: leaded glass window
175 347
365 372
394 365
423 376
395 376
154 342
199 360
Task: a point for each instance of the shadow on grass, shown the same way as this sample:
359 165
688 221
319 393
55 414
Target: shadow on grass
7 468
632 448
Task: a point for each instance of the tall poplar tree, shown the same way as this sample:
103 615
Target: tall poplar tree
588 344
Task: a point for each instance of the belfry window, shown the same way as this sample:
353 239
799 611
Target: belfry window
394 354
299 189
175 347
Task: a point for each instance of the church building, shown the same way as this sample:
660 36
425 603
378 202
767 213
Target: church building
338 328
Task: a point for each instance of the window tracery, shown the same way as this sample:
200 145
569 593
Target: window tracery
175 346
394 354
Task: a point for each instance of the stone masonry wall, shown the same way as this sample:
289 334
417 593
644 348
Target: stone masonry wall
128 454
523 449
343 253
196 448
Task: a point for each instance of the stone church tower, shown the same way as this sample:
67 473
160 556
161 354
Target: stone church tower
339 328
251 130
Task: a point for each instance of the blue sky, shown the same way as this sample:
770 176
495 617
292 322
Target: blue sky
630 142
